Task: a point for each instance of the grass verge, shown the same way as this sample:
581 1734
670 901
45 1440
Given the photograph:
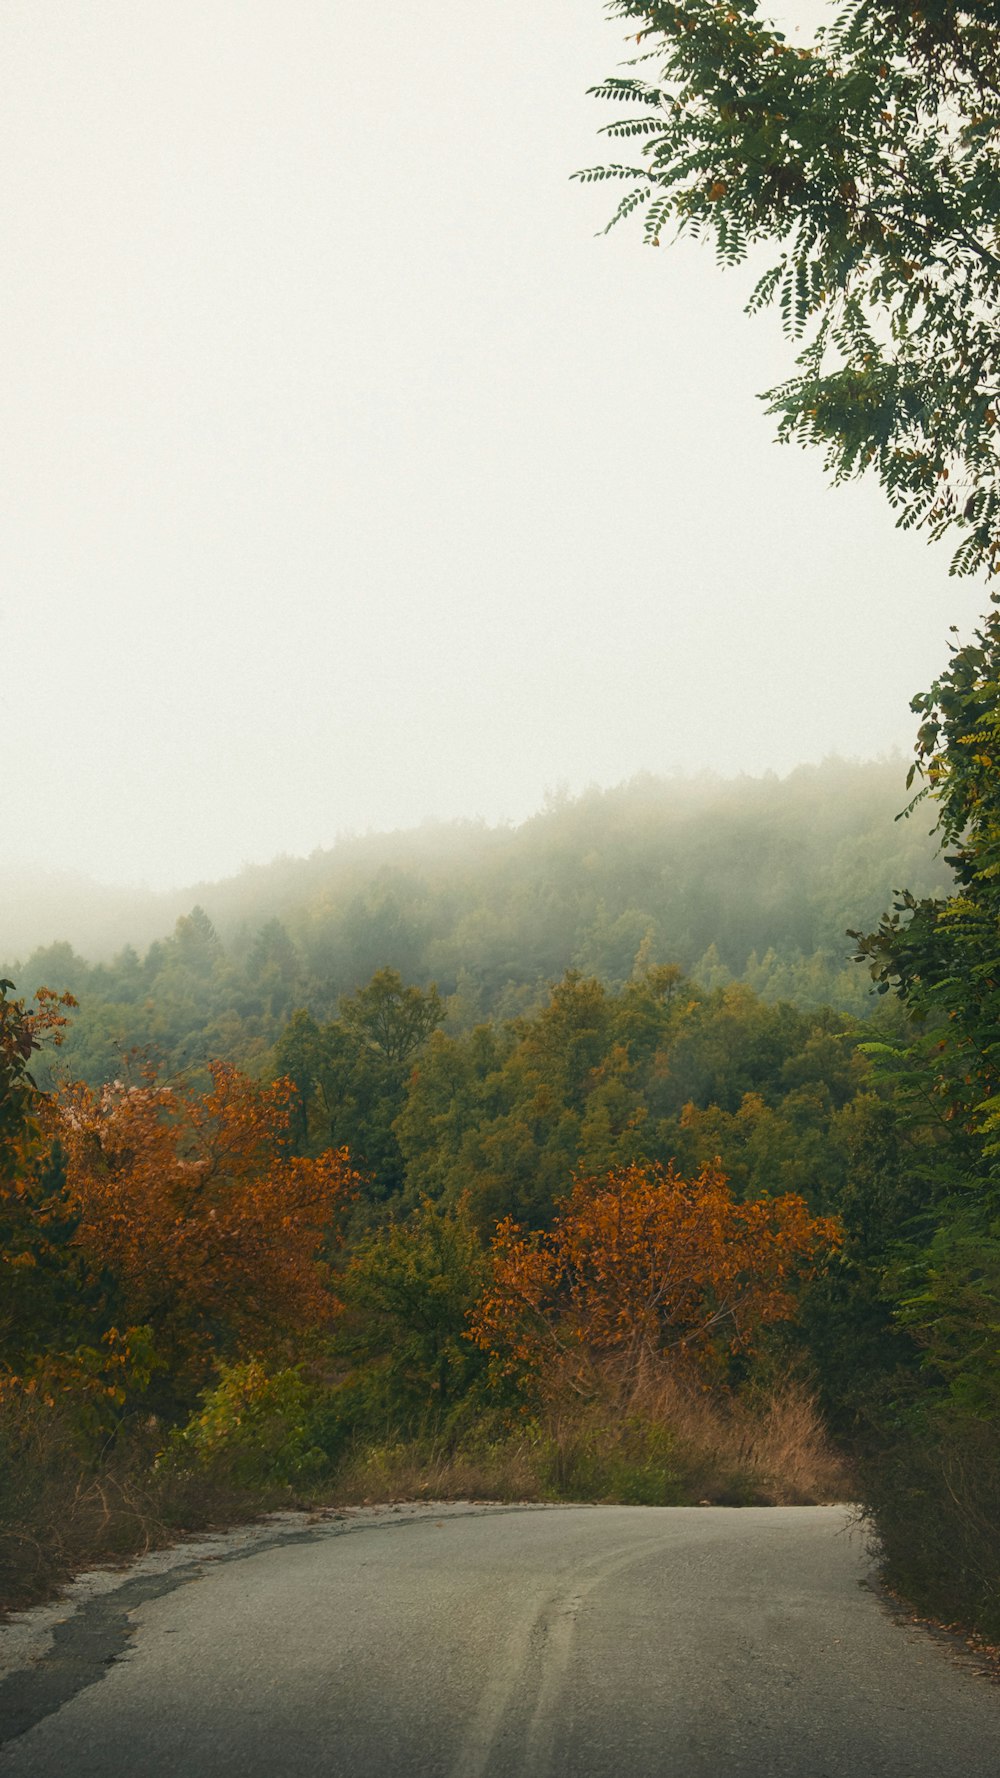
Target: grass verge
658 1445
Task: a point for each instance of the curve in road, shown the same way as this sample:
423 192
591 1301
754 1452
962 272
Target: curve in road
491 1642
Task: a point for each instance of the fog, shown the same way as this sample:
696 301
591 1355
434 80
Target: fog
581 884
353 479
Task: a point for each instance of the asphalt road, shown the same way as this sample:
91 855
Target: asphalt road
576 1642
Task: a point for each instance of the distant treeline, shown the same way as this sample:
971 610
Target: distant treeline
748 880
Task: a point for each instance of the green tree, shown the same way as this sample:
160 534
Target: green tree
871 161
299 1057
655 1073
941 956
196 940
869 165
351 1074
40 1287
22 1029
273 968
407 1291
934 1476
390 1018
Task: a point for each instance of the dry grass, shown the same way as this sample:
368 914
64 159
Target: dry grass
656 1442
56 1512
425 1469
61 1512
771 1442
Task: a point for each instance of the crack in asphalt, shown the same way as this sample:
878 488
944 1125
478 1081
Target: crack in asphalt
99 1633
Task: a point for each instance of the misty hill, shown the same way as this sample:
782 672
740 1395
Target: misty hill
755 879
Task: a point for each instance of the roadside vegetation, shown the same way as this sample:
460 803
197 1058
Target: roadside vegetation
864 165
652 1242
211 1308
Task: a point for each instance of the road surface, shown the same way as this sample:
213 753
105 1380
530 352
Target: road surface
491 1642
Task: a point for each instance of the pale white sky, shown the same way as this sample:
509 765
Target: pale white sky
348 479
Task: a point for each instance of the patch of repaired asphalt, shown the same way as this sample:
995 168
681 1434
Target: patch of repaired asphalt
82 1646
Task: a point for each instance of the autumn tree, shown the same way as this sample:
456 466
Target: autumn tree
40 1284
642 1267
869 162
206 1228
22 1030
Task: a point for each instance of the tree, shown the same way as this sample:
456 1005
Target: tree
872 161
356 1069
933 1467
21 1033
207 1230
942 958
942 955
391 1019
273 968
39 1289
196 941
408 1290
299 1057
642 1266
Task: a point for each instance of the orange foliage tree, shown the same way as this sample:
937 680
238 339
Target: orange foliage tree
22 1029
210 1232
641 1265
39 1291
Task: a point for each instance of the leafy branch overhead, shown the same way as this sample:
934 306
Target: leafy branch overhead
871 160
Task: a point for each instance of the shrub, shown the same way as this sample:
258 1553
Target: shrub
255 1428
931 1488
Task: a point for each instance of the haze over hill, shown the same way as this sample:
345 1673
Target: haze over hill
323 518
732 831
747 879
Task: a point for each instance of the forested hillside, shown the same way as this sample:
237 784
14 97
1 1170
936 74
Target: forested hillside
752 880
448 1174
363 1172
